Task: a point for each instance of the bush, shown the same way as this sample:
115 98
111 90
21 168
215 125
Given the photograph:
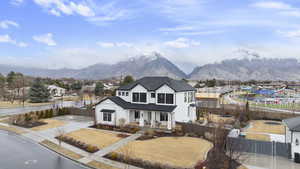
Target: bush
91 148
113 155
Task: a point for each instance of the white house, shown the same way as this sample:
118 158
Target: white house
292 135
151 101
56 91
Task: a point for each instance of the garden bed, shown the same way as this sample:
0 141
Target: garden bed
152 133
79 144
31 124
126 129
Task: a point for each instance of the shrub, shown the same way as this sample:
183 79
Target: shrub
91 148
113 155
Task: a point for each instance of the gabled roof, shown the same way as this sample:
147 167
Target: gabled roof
293 123
133 106
153 83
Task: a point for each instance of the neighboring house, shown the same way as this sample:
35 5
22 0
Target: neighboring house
89 88
56 91
151 101
292 135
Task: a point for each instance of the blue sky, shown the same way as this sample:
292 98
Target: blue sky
78 33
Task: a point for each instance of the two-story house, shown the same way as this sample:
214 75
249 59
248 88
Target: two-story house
150 101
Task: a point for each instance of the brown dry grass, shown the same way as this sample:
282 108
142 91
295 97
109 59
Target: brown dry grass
242 167
259 126
12 129
261 137
95 137
218 119
51 123
96 164
175 151
5 104
61 150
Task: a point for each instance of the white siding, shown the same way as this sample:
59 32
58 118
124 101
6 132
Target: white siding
118 114
295 148
139 89
183 111
165 89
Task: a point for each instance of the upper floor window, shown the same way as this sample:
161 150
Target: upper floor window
165 98
152 95
119 93
127 93
139 97
123 93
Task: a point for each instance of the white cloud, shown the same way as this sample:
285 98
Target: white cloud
117 44
16 2
295 13
67 7
272 5
45 38
7 39
182 43
178 28
5 24
290 34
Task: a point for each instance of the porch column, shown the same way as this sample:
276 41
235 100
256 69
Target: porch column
169 121
173 120
141 118
153 119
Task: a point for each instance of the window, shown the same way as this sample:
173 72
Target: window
119 93
163 116
185 97
297 142
136 114
165 98
135 97
139 97
126 93
161 98
169 98
106 116
123 93
152 95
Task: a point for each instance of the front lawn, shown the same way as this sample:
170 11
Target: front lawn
174 151
260 126
95 137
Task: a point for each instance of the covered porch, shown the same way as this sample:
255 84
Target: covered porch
152 119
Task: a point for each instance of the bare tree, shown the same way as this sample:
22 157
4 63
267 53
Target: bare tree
60 132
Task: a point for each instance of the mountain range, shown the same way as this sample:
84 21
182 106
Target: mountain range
254 68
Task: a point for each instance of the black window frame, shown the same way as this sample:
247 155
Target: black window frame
171 100
164 117
119 93
153 95
107 116
127 93
139 97
137 114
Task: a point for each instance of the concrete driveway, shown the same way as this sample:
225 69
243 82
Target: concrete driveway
258 161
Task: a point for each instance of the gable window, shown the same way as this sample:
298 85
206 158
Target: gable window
163 116
165 98
152 95
119 93
169 98
161 97
106 116
139 97
136 114
126 93
123 93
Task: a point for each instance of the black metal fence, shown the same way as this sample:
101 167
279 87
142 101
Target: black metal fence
260 147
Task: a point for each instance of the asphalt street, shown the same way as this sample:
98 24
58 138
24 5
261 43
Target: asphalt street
17 152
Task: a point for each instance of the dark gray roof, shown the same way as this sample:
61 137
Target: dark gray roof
153 83
107 110
293 123
151 107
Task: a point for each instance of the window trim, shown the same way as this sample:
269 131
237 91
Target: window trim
139 97
107 116
153 95
165 98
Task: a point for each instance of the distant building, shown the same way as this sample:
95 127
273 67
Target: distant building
56 91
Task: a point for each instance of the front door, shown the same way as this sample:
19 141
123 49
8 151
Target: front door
136 115
149 116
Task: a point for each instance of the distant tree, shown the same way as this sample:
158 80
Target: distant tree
38 92
99 89
211 83
2 86
128 79
15 82
76 86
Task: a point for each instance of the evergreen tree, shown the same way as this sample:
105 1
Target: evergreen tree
38 92
128 79
99 89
